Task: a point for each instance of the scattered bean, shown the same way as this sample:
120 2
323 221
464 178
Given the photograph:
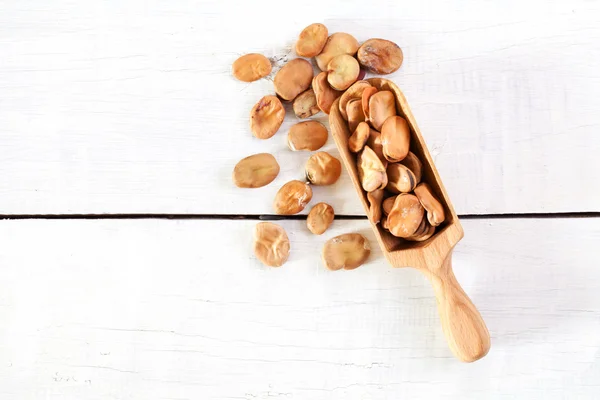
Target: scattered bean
293 78
307 135
312 40
266 117
342 71
255 171
271 244
251 67
305 105
323 169
323 92
380 56
320 218
347 251
292 198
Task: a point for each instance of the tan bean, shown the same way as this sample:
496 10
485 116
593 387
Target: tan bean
395 138
371 171
424 232
311 41
342 71
251 67
324 93
292 198
388 204
338 43
406 215
307 135
355 114
374 142
435 210
366 96
255 171
347 251
380 56
353 92
320 218
400 179
384 223
414 164
359 138
293 78
375 198
382 105
323 169
266 117
305 105
271 244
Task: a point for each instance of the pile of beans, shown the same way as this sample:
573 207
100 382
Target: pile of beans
380 138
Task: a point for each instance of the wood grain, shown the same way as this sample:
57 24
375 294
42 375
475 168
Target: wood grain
129 107
182 310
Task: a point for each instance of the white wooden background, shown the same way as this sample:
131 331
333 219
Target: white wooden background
128 107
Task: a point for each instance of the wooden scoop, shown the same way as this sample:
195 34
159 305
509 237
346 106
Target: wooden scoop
465 330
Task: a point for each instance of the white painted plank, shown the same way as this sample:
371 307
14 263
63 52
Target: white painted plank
153 309
129 107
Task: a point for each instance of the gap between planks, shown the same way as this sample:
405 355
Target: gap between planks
274 217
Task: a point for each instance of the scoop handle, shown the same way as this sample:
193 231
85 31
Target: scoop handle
465 330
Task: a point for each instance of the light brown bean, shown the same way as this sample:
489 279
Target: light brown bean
359 138
382 105
338 43
375 198
271 244
293 78
266 117
251 67
324 93
380 56
371 171
342 71
406 215
320 218
355 114
292 198
395 138
400 179
435 210
354 92
366 96
414 164
347 251
255 171
311 41
307 135
323 169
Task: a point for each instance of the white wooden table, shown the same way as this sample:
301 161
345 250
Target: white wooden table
128 109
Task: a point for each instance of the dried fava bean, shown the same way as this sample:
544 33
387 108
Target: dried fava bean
323 169
342 71
338 43
255 171
406 215
414 164
347 251
366 96
359 138
354 92
292 198
305 104
395 138
382 105
355 114
435 210
400 179
266 117
311 40
388 204
374 142
375 198
293 78
319 218
323 92
251 67
380 56
271 244
307 135
371 171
